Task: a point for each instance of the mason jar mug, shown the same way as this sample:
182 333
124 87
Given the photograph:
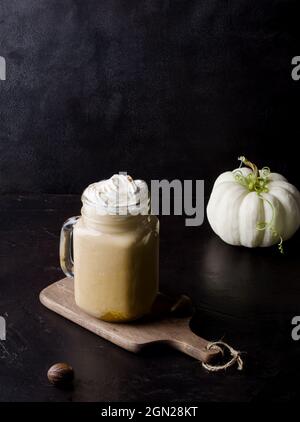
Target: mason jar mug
113 258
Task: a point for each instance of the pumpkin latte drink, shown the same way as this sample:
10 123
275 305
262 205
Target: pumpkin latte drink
115 250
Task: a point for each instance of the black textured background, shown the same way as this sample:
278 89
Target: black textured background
160 88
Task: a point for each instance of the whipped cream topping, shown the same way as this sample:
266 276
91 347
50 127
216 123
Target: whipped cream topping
118 195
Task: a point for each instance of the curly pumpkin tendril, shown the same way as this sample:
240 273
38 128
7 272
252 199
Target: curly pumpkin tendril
258 182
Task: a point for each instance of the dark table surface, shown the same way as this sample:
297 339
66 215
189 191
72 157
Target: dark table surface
248 296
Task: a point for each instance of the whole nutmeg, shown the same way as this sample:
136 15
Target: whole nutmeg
60 374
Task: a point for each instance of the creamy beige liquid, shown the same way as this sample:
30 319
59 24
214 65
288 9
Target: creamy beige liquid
116 273
116 264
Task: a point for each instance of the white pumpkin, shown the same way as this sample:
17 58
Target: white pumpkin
253 208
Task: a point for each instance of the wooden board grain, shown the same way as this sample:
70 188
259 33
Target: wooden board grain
59 297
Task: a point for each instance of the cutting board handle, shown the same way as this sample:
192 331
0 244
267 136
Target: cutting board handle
181 338
192 348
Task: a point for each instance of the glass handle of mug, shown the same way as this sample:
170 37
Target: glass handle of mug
66 246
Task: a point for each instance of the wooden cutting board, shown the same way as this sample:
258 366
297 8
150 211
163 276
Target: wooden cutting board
176 332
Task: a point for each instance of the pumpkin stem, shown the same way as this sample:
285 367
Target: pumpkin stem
255 181
249 164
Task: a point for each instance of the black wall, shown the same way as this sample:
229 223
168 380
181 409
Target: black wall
161 88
